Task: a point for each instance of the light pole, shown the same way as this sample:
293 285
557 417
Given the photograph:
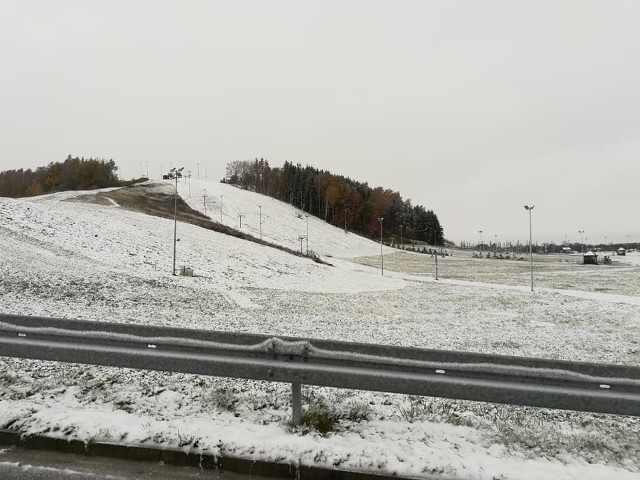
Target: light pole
345 219
198 165
529 208
307 236
204 201
381 256
495 244
301 237
175 215
400 237
260 207
581 244
240 217
481 243
435 255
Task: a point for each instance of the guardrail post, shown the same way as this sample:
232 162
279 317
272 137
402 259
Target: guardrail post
296 400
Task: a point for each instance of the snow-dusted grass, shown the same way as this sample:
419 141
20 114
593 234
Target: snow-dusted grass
64 258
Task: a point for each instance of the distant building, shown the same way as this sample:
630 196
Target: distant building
621 251
566 249
590 258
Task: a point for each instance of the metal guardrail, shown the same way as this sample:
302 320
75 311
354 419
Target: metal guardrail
534 382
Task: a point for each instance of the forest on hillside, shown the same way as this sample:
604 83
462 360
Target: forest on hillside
339 200
72 174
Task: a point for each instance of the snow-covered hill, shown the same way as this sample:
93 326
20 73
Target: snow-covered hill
281 223
67 258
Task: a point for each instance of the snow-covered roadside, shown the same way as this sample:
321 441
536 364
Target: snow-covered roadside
99 263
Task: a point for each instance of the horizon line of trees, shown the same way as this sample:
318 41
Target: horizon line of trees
338 200
72 174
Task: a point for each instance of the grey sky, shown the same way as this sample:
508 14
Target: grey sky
471 108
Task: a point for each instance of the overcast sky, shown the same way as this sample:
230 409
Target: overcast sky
471 108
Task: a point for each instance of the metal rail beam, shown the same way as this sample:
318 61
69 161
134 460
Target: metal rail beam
492 378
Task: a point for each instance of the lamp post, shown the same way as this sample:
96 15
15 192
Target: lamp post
529 208
495 244
307 237
301 237
260 207
175 215
401 237
381 256
481 243
581 244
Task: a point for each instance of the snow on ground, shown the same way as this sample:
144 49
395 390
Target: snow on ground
281 223
70 259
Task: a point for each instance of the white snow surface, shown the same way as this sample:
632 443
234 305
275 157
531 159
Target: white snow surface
66 258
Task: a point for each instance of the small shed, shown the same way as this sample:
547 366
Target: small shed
621 251
590 258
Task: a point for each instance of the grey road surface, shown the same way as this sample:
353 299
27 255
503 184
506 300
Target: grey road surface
18 464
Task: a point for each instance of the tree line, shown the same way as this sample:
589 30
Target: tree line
338 200
72 174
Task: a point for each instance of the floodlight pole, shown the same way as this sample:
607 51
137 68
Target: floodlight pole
481 242
436 257
175 216
307 237
529 208
381 255
581 244
400 237
260 207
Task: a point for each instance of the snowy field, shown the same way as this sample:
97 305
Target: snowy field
66 258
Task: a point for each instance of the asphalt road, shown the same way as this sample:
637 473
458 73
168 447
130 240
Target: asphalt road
18 464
